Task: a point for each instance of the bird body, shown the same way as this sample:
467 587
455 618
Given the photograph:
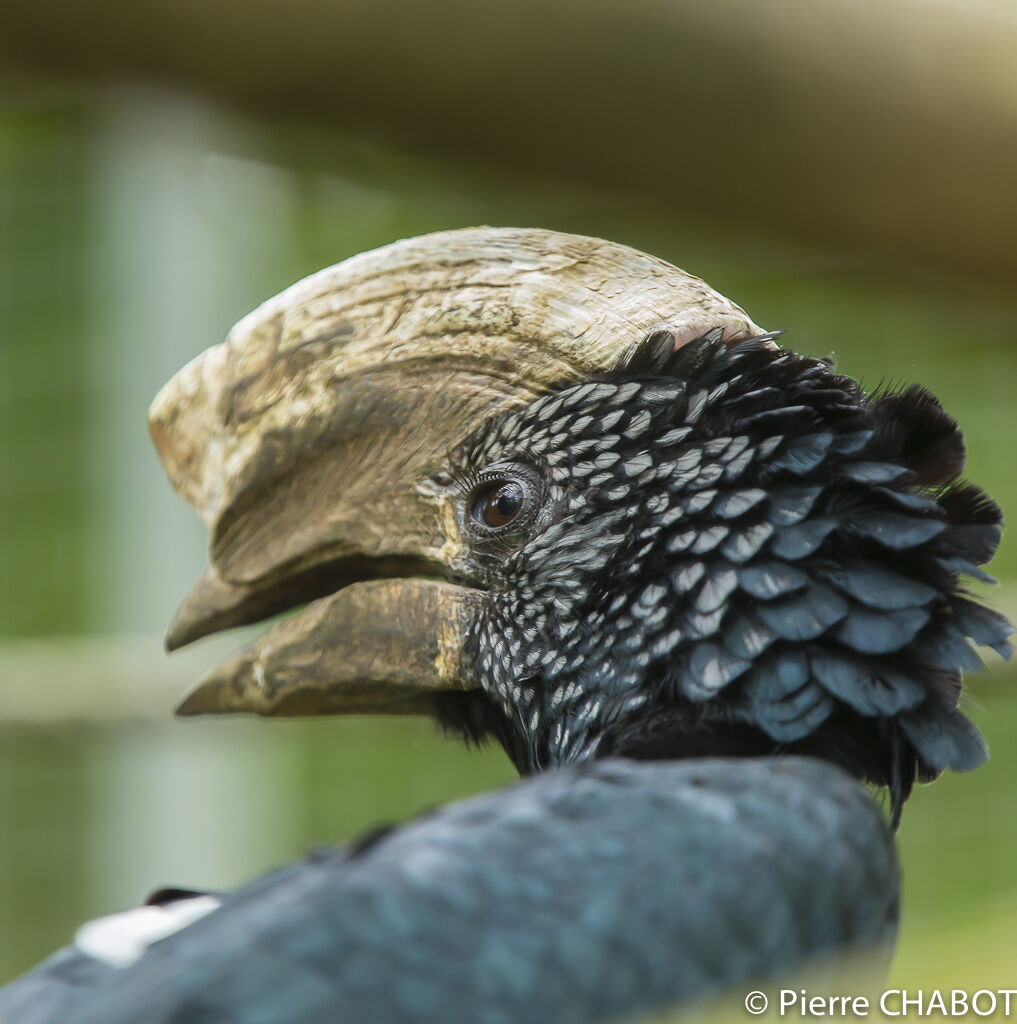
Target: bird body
591 893
699 588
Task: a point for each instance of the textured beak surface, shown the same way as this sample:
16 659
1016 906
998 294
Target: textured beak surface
313 443
374 646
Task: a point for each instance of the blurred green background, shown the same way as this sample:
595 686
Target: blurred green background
138 223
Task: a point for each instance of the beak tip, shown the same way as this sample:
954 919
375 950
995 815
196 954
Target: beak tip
187 709
180 633
212 605
204 699
217 694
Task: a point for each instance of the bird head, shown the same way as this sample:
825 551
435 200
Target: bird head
559 493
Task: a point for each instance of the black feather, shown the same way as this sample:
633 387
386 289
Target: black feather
913 428
803 454
871 632
796 542
984 626
650 355
881 588
944 738
779 563
871 689
806 616
896 529
790 505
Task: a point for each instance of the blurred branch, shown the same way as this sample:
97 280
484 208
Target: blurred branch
112 678
103 678
889 126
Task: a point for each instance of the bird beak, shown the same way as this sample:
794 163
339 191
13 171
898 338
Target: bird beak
314 444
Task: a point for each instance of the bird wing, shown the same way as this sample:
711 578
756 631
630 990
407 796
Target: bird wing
587 894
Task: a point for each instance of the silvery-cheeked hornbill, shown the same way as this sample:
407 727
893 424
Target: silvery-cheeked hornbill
560 494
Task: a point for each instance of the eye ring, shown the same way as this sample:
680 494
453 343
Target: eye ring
503 500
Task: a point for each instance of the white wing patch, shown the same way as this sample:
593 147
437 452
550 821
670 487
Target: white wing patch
120 939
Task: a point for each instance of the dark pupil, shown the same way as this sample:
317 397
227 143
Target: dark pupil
503 505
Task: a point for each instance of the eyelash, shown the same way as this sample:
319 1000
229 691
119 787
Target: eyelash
467 481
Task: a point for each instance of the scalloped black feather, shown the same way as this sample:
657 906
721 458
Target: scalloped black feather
787 575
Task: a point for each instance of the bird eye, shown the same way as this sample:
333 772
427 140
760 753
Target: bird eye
499 503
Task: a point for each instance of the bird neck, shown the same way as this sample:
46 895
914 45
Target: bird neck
676 731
